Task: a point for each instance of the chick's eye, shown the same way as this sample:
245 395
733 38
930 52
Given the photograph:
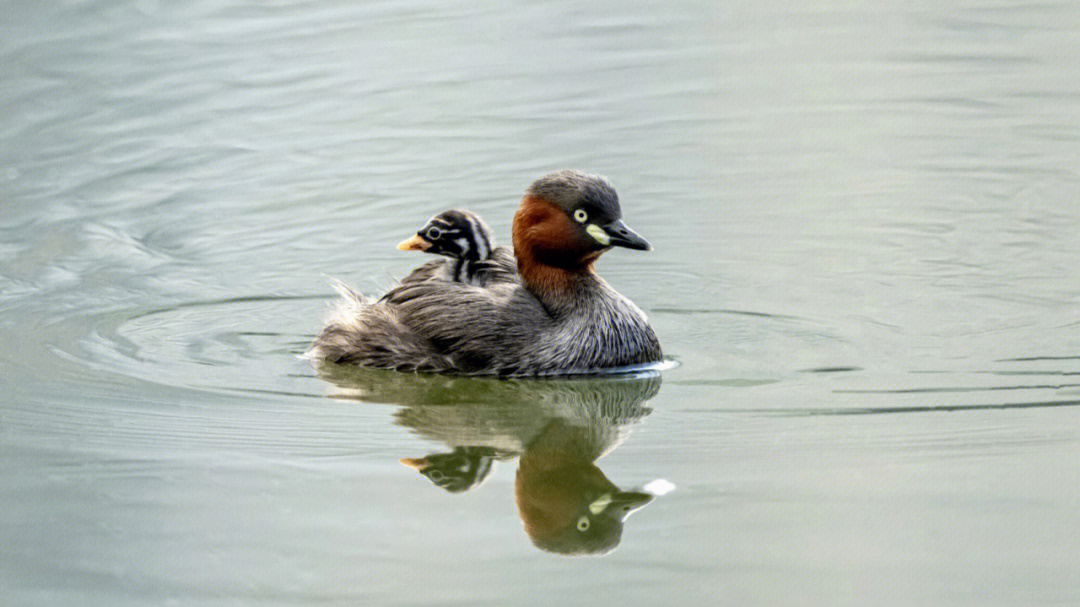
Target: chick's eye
583 523
581 216
434 233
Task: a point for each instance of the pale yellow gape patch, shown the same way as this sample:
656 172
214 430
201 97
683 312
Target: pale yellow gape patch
600 504
598 234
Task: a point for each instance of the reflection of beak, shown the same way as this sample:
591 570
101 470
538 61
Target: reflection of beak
416 463
622 236
625 503
414 244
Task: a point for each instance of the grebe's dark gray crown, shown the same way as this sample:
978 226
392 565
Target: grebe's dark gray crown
571 189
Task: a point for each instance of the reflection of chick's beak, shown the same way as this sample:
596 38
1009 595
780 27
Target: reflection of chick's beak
416 463
414 244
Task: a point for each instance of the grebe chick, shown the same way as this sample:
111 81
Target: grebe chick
462 237
553 316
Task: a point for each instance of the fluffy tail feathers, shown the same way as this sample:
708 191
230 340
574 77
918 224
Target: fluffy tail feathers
361 330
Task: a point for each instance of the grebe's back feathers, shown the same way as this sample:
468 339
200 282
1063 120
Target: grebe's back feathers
504 329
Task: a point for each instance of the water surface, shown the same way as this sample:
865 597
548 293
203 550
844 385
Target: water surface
866 222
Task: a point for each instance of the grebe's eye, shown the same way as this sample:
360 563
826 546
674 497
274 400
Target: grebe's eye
583 523
434 233
581 216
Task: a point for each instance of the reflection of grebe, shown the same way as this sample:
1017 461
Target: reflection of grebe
566 503
557 429
542 310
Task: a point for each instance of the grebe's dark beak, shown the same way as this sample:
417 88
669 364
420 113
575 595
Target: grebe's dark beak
624 503
622 236
416 243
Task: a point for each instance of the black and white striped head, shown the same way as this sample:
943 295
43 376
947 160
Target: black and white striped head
455 233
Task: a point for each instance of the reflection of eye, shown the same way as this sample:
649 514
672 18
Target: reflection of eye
583 523
434 233
581 216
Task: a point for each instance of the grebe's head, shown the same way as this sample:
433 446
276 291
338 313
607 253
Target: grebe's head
455 233
568 218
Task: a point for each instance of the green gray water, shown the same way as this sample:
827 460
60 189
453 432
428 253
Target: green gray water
866 221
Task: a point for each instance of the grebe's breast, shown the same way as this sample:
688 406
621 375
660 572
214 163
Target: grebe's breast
605 329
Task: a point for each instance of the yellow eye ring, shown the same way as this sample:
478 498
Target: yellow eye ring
583 523
581 216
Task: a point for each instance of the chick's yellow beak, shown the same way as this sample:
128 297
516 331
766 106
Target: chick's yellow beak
414 244
416 463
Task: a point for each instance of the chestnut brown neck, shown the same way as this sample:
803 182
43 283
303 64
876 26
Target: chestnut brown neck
551 256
